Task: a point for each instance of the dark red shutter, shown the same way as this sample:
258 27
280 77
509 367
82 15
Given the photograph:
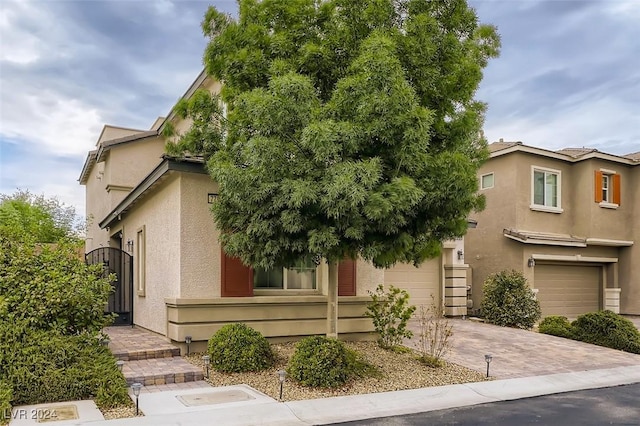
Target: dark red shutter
347 278
237 279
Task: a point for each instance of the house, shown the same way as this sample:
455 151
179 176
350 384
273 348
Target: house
569 220
152 226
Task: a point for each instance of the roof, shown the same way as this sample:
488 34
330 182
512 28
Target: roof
88 165
168 166
546 238
570 155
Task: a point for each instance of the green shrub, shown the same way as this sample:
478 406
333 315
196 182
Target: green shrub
556 326
50 288
508 301
390 313
45 367
6 395
606 328
237 347
323 362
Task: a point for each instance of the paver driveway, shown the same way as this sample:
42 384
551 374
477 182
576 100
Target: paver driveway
521 353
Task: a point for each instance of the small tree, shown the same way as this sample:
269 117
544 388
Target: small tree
509 301
433 337
390 312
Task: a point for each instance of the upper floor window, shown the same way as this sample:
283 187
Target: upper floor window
607 188
486 181
546 190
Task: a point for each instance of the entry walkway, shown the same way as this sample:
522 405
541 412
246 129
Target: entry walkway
522 353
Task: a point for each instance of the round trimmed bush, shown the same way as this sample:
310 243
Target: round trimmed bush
237 348
508 301
556 326
606 328
322 362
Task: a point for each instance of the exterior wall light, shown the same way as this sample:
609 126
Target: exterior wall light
136 391
187 340
130 246
488 358
207 362
531 262
281 376
460 255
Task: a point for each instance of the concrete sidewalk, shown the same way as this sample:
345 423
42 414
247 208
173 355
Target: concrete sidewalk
262 410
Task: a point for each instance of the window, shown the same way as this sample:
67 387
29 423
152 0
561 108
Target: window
546 190
607 188
300 277
486 181
140 261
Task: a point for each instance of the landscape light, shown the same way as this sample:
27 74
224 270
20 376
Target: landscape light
281 376
487 359
136 391
187 339
207 361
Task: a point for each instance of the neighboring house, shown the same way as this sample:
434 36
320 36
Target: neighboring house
569 220
151 221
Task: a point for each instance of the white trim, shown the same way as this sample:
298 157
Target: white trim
608 171
493 182
542 207
574 258
606 205
608 242
546 209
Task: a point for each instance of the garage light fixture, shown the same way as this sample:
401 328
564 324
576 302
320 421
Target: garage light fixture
460 255
531 262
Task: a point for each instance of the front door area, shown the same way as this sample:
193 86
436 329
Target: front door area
120 263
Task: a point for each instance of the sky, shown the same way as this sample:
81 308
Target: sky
568 76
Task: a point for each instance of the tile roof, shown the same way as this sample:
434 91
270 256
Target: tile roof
576 152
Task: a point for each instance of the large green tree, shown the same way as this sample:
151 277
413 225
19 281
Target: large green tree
344 128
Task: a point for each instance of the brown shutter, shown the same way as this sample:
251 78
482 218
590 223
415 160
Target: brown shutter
237 279
347 278
616 188
598 186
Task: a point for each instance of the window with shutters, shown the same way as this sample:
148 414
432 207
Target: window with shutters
607 188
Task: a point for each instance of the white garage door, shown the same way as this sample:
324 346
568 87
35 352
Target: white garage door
421 283
568 290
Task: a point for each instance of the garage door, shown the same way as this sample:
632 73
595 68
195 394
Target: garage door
420 282
568 290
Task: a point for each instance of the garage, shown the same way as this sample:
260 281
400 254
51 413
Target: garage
421 283
568 290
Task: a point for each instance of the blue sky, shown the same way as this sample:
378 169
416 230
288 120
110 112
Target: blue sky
568 75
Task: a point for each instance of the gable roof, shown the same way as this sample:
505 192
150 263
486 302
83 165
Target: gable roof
168 166
570 155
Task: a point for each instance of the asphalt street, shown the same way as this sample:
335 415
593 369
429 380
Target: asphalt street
607 406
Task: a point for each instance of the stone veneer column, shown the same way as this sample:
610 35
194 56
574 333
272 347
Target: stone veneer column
455 290
612 299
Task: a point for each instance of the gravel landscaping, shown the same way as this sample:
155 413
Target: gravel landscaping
400 371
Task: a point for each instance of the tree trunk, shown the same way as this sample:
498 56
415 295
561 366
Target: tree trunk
332 301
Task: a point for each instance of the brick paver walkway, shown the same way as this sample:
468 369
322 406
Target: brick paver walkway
152 360
521 353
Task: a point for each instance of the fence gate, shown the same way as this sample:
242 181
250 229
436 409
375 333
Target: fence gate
118 262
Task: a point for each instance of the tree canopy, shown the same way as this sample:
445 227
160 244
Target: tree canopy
43 220
344 128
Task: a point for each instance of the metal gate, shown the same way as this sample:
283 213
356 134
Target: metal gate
120 263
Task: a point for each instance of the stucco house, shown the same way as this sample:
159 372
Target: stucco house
151 224
569 220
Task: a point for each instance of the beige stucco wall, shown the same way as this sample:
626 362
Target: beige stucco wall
368 277
114 132
181 126
127 164
159 213
200 250
630 256
97 207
